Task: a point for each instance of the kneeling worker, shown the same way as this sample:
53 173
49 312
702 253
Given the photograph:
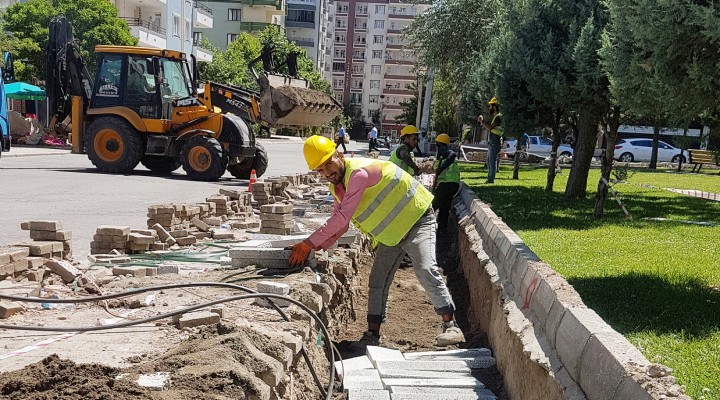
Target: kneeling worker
447 180
394 211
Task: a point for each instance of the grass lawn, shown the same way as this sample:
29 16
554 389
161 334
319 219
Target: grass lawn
656 282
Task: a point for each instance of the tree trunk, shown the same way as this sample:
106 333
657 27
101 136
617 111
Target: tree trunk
607 162
684 145
654 154
584 151
553 153
516 160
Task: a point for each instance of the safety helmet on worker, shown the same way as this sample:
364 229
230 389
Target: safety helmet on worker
493 101
409 130
317 149
442 138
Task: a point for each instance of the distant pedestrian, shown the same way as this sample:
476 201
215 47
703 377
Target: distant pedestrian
372 139
341 139
495 133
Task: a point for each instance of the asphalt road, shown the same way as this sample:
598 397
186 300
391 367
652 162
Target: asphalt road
41 184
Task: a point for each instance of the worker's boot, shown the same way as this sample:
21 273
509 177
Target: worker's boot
451 335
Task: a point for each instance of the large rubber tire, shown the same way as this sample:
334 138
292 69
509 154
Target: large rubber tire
676 159
204 159
626 157
259 163
161 164
113 145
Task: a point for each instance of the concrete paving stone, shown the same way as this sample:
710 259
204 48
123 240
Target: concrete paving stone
138 238
42 235
167 269
186 241
200 224
260 253
378 354
162 233
542 300
276 217
222 234
159 246
137 246
8 308
449 366
110 239
276 208
573 334
41 225
282 289
25 289
271 264
136 271
368 379
234 194
20 265
425 393
253 243
364 394
146 232
277 224
156 381
469 382
193 319
178 233
276 231
411 374
64 269
353 364
448 355
113 230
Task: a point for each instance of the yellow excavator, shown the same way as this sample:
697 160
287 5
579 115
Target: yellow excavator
144 106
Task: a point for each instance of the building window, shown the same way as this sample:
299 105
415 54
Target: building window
374 99
379 9
377 54
338 83
176 25
234 14
375 69
356 97
197 37
339 53
306 16
377 39
188 29
339 97
338 67
357 69
374 84
379 24
339 38
231 37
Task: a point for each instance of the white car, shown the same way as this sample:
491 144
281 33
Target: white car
640 149
539 146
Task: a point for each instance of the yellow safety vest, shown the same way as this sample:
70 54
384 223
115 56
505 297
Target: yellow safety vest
498 130
388 210
450 174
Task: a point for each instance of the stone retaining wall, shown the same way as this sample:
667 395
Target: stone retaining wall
547 342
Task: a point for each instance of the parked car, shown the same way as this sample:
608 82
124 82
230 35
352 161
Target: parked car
640 149
539 146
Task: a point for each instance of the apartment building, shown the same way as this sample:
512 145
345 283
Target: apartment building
308 25
231 17
371 69
167 24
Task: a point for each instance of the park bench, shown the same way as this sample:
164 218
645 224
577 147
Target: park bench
701 157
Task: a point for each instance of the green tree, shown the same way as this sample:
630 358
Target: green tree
94 22
444 110
409 107
231 65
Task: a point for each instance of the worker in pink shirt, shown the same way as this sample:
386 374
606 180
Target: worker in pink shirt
394 211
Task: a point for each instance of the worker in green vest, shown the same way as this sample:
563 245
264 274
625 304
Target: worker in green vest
394 211
402 155
495 133
447 180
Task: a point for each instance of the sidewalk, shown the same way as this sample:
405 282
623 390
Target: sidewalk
28 151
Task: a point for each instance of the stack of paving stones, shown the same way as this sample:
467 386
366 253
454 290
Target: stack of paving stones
264 257
49 239
108 238
261 192
14 261
276 219
142 240
387 374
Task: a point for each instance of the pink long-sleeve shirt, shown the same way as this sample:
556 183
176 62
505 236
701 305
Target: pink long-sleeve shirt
339 221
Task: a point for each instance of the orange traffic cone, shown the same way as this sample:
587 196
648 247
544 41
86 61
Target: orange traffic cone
253 179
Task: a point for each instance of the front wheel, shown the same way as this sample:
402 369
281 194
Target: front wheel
259 163
113 145
677 159
626 157
204 159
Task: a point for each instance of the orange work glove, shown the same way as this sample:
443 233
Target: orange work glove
299 254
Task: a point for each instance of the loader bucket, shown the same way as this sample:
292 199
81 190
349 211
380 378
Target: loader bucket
290 103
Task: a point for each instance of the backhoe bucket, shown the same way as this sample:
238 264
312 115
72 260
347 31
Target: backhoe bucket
290 103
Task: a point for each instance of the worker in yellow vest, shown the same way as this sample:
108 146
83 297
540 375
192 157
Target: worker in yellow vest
447 180
394 211
495 133
402 155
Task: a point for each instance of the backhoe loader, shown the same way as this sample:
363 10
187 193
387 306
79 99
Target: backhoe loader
144 106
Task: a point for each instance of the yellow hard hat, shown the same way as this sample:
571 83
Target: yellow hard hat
492 101
409 130
317 150
442 138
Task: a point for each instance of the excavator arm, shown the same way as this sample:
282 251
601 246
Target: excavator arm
66 74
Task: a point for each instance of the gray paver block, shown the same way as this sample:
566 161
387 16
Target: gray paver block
113 230
260 253
353 364
274 288
403 373
542 300
448 355
41 225
135 271
198 318
361 394
65 269
573 334
449 366
470 382
451 394
368 379
377 354
254 243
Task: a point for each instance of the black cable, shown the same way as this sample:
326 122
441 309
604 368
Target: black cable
252 294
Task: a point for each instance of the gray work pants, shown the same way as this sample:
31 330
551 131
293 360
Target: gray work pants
419 244
493 154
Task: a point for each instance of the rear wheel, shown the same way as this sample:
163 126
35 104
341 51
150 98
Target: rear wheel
626 157
160 164
113 145
259 163
204 159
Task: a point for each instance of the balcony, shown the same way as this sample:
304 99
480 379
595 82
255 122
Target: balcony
394 46
202 16
278 4
401 77
149 34
394 31
360 43
307 2
356 89
398 62
299 24
358 57
358 74
302 41
392 107
361 28
339 27
399 92
341 11
202 54
253 26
